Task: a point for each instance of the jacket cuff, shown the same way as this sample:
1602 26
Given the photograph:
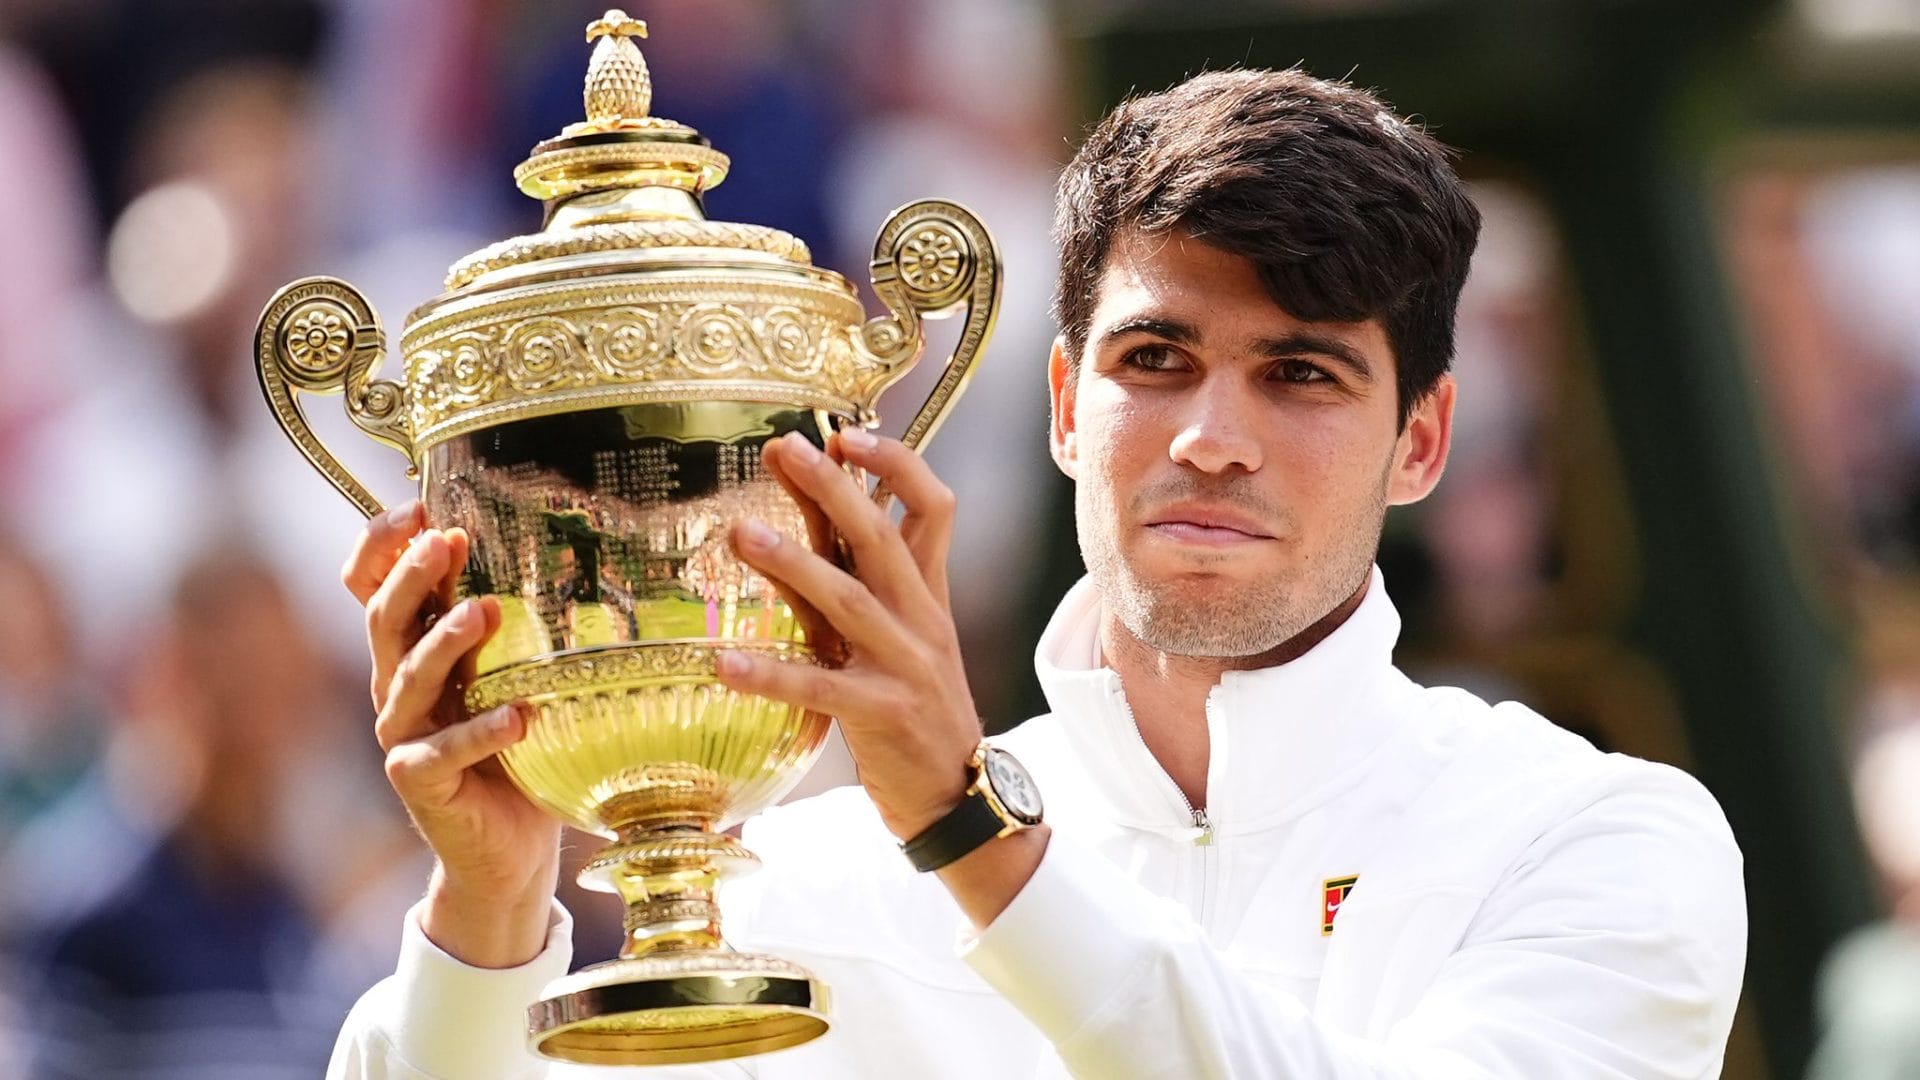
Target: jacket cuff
455 1020
1072 940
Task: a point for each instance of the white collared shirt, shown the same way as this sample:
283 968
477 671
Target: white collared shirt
1522 905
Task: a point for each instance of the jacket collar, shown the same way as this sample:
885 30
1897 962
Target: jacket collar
1281 739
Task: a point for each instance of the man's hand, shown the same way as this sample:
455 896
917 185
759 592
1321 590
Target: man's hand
498 854
902 697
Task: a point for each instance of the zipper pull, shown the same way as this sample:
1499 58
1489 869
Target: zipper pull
1205 839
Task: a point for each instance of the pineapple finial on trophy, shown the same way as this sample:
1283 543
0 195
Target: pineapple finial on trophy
619 90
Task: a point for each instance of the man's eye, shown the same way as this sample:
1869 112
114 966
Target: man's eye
1299 371
1151 358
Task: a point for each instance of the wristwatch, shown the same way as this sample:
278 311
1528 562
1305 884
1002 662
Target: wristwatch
1001 801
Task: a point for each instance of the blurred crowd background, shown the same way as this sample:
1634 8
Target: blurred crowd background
1682 516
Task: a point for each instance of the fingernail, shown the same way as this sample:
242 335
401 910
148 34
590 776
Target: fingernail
858 438
501 719
407 513
464 615
731 663
756 535
803 446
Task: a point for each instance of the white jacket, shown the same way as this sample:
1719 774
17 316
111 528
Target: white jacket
1525 906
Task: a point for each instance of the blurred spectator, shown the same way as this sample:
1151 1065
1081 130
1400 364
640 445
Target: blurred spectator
1473 572
200 947
114 60
49 719
1490 527
409 123
162 441
43 215
1826 260
1869 993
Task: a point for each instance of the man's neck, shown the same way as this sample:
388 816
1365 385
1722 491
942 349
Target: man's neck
1168 692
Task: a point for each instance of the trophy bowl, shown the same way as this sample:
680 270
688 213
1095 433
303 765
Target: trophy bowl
589 403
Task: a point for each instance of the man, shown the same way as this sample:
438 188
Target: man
1266 853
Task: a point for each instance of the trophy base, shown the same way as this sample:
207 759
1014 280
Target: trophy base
674 1008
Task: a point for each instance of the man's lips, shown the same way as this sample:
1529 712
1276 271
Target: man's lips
1206 525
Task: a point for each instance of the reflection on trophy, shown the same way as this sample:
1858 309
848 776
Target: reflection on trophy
589 403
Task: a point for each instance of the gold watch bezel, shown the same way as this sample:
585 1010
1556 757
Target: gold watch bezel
982 786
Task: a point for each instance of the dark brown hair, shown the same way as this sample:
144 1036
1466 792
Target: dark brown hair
1348 211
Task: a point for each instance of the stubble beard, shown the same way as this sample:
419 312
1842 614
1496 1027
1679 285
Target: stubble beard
1223 619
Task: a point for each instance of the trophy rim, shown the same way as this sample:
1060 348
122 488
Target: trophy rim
481 693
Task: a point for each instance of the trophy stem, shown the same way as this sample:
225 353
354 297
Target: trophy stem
667 875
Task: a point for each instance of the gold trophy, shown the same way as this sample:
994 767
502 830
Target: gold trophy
589 403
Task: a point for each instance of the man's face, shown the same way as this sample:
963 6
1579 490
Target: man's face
1233 463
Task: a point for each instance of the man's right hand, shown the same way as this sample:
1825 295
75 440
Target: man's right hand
498 855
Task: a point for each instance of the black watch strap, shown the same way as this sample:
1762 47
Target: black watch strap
965 828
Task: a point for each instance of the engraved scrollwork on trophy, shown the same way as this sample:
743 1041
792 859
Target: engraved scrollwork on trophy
792 342
625 343
473 369
379 408
320 335
887 337
542 353
716 339
431 397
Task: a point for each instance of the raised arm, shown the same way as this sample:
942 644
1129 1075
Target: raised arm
486 937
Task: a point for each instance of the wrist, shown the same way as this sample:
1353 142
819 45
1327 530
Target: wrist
487 926
907 819
909 823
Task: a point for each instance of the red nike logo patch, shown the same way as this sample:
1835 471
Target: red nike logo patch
1334 893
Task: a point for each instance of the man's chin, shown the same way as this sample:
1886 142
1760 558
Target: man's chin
1207 615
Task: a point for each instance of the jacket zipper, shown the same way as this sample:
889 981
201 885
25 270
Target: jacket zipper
1198 816
1205 840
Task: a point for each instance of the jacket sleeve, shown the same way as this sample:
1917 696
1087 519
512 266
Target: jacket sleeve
436 1018
1613 947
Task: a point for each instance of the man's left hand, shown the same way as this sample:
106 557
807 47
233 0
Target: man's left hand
902 697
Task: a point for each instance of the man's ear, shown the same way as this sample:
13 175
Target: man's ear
1420 456
1061 439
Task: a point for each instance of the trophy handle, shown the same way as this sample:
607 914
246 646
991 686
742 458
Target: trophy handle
320 335
931 258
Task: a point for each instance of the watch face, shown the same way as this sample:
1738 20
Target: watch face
1014 788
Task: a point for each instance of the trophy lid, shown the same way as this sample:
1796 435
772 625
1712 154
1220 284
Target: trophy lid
622 179
629 295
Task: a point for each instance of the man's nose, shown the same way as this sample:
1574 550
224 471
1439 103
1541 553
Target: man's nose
1218 430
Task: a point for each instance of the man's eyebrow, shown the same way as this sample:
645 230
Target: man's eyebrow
1298 343
1174 330
1302 342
